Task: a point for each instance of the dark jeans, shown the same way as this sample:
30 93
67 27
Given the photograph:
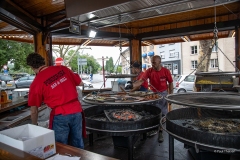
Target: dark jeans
65 126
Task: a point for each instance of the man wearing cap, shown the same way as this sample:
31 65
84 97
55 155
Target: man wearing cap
136 69
161 82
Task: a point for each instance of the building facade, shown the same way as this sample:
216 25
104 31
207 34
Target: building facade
125 61
171 57
182 58
223 55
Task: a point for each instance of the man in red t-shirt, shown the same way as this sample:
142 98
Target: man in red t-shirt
56 87
161 81
136 68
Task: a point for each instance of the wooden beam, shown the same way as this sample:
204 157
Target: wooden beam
12 14
206 28
13 32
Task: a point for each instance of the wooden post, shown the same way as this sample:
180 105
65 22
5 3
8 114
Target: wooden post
40 47
135 50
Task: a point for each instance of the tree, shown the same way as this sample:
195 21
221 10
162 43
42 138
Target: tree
119 69
63 52
15 53
205 50
109 67
91 61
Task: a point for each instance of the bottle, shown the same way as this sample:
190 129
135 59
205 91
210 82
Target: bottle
4 96
10 95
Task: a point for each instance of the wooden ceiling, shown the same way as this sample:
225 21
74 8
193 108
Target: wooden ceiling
151 21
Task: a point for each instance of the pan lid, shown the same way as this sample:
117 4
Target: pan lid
209 100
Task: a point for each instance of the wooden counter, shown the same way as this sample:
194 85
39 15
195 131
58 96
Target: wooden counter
8 153
16 102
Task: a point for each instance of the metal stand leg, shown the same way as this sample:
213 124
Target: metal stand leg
91 139
144 136
171 147
130 147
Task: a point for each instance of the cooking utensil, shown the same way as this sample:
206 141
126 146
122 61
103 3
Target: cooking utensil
123 89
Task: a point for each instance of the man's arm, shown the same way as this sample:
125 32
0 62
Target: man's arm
137 85
170 88
81 84
34 114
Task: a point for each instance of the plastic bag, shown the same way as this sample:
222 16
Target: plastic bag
121 81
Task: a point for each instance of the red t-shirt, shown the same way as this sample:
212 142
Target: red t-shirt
56 87
158 79
145 83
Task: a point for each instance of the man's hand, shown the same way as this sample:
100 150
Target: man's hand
129 86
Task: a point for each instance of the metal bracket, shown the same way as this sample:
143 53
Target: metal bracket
196 148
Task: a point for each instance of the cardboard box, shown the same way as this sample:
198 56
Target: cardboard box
33 139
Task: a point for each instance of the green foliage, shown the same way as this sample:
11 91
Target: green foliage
15 53
119 69
91 61
109 67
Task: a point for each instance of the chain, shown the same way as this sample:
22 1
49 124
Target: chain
120 36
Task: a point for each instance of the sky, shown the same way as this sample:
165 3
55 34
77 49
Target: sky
99 51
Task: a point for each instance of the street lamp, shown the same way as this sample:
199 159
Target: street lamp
103 59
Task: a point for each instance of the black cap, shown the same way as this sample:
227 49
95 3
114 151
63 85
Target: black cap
136 65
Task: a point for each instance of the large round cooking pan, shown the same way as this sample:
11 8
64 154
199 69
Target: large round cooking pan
123 128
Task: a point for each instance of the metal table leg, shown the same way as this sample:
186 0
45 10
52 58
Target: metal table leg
130 147
91 139
171 147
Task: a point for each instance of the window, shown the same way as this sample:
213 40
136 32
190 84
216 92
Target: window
168 66
190 78
194 64
171 54
23 79
176 54
31 77
213 63
162 54
161 45
215 48
193 49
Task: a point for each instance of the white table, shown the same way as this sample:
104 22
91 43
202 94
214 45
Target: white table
21 90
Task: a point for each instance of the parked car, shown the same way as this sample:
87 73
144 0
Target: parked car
185 83
87 84
18 75
84 77
24 82
7 82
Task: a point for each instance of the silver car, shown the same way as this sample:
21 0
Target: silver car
7 82
24 82
185 83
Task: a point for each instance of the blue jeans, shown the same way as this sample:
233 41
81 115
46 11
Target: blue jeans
65 126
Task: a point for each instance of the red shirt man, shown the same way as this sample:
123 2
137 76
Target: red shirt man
160 81
56 87
47 86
